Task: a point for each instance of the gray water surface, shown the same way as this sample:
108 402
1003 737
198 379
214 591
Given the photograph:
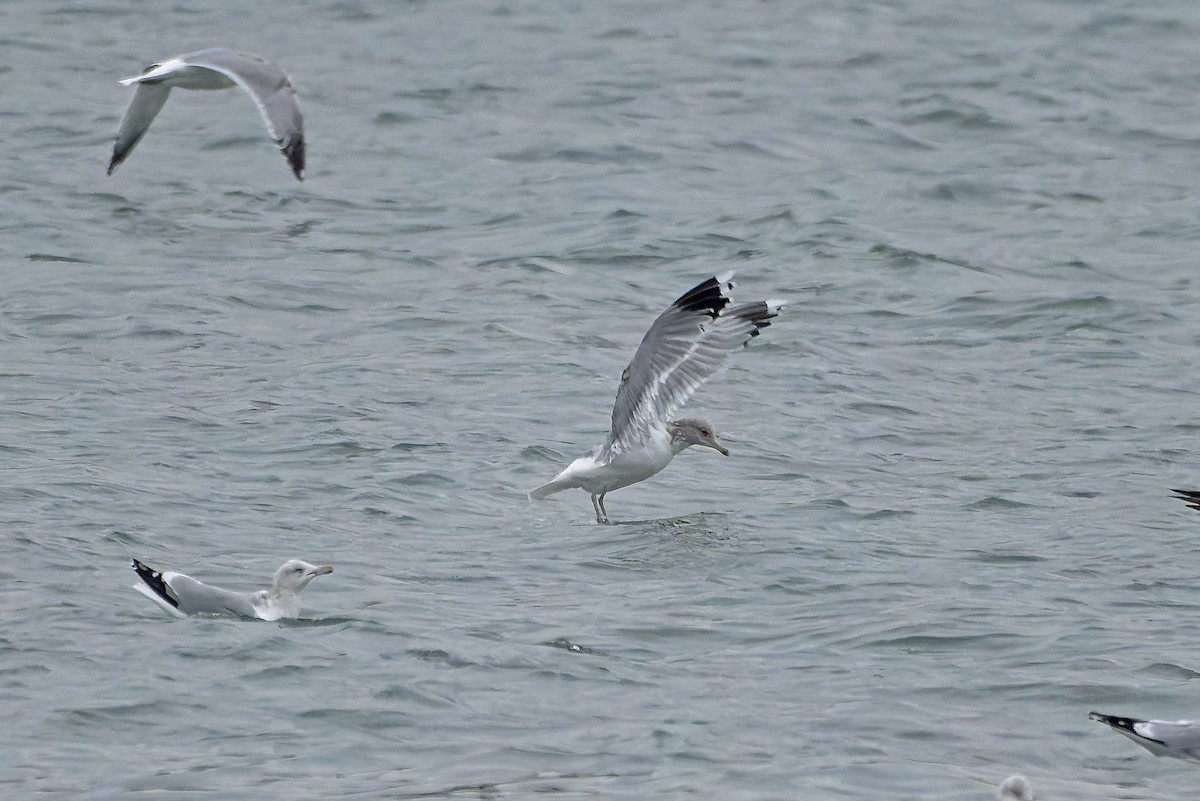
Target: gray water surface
944 534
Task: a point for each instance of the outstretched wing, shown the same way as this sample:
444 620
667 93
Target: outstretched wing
272 91
684 347
147 101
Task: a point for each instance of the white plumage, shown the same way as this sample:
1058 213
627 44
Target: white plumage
685 346
216 68
1174 738
183 595
1015 788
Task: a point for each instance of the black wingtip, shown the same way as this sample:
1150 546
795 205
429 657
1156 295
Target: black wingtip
708 296
1189 497
1113 720
760 314
294 153
1124 724
153 579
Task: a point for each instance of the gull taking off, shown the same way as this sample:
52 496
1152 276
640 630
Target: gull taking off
182 595
1176 738
216 68
684 347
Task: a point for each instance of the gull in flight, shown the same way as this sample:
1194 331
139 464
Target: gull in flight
216 68
1015 788
182 595
684 347
1175 738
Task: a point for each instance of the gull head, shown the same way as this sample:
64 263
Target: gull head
691 431
294 575
1015 788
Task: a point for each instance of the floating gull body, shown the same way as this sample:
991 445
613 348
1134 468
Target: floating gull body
1190 497
182 595
1175 738
216 68
1015 788
684 347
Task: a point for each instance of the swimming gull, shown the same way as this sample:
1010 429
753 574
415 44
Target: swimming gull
684 347
182 595
216 68
1174 738
1190 497
1015 788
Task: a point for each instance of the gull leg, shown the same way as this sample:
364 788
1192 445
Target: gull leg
598 505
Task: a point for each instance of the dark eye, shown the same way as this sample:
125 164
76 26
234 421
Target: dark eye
298 570
704 432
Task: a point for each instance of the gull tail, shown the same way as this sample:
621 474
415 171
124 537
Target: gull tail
557 485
